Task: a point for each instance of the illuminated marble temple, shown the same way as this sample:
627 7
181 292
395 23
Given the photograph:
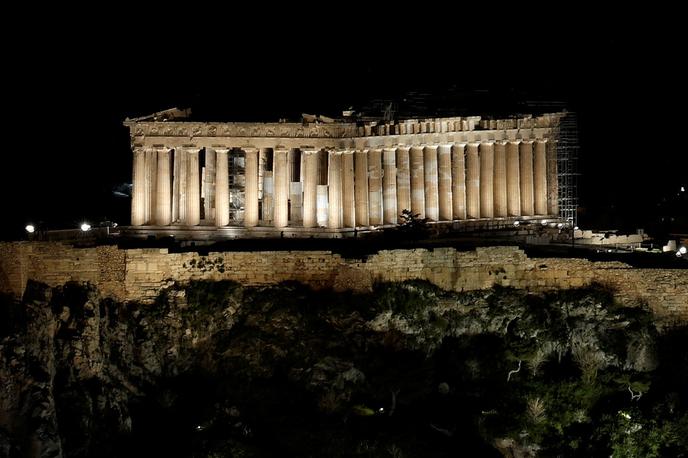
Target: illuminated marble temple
332 177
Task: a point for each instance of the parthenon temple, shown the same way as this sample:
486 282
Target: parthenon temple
239 179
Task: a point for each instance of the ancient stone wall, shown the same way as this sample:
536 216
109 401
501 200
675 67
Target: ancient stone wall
139 274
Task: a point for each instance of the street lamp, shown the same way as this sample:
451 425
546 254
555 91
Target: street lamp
85 227
30 228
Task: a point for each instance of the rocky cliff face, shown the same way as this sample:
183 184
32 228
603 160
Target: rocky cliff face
217 369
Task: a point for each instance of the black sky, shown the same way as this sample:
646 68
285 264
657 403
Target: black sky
70 83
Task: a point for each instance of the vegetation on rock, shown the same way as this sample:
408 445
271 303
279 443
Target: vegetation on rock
218 369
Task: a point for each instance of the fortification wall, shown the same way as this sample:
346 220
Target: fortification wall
139 274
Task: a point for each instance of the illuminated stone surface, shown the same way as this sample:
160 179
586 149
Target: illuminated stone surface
339 175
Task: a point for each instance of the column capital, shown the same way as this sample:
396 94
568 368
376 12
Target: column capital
541 140
248 149
527 140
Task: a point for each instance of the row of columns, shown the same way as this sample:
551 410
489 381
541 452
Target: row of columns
363 187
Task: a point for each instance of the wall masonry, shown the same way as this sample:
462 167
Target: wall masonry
139 274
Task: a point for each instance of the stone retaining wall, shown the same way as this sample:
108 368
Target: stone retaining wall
139 274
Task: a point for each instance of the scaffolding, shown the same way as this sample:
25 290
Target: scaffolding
567 168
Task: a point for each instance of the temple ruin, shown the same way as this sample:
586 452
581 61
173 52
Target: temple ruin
325 177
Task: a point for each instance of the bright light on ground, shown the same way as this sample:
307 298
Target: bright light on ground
683 250
85 227
30 228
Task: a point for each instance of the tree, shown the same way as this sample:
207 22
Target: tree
413 225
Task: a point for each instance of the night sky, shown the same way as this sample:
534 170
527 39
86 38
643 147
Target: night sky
73 82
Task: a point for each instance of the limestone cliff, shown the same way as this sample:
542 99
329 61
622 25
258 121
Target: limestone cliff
217 369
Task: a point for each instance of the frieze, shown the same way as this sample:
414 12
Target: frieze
288 130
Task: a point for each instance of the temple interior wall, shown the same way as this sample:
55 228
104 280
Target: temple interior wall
140 274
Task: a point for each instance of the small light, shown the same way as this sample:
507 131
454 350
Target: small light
85 227
516 223
114 224
560 225
683 250
575 228
609 250
30 228
683 189
544 222
381 409
678 254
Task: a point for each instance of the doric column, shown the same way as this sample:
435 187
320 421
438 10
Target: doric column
193 189
310 183
417 181
472 181
151 183
487 180
281 193
175 184
251 162
348 200
458 181
444 184
334 184
138 194
403 179
375 186
540 177
432 208
389 185
209 185
163 202
361 188
222 186
513 179
180 179
525 150
500 199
